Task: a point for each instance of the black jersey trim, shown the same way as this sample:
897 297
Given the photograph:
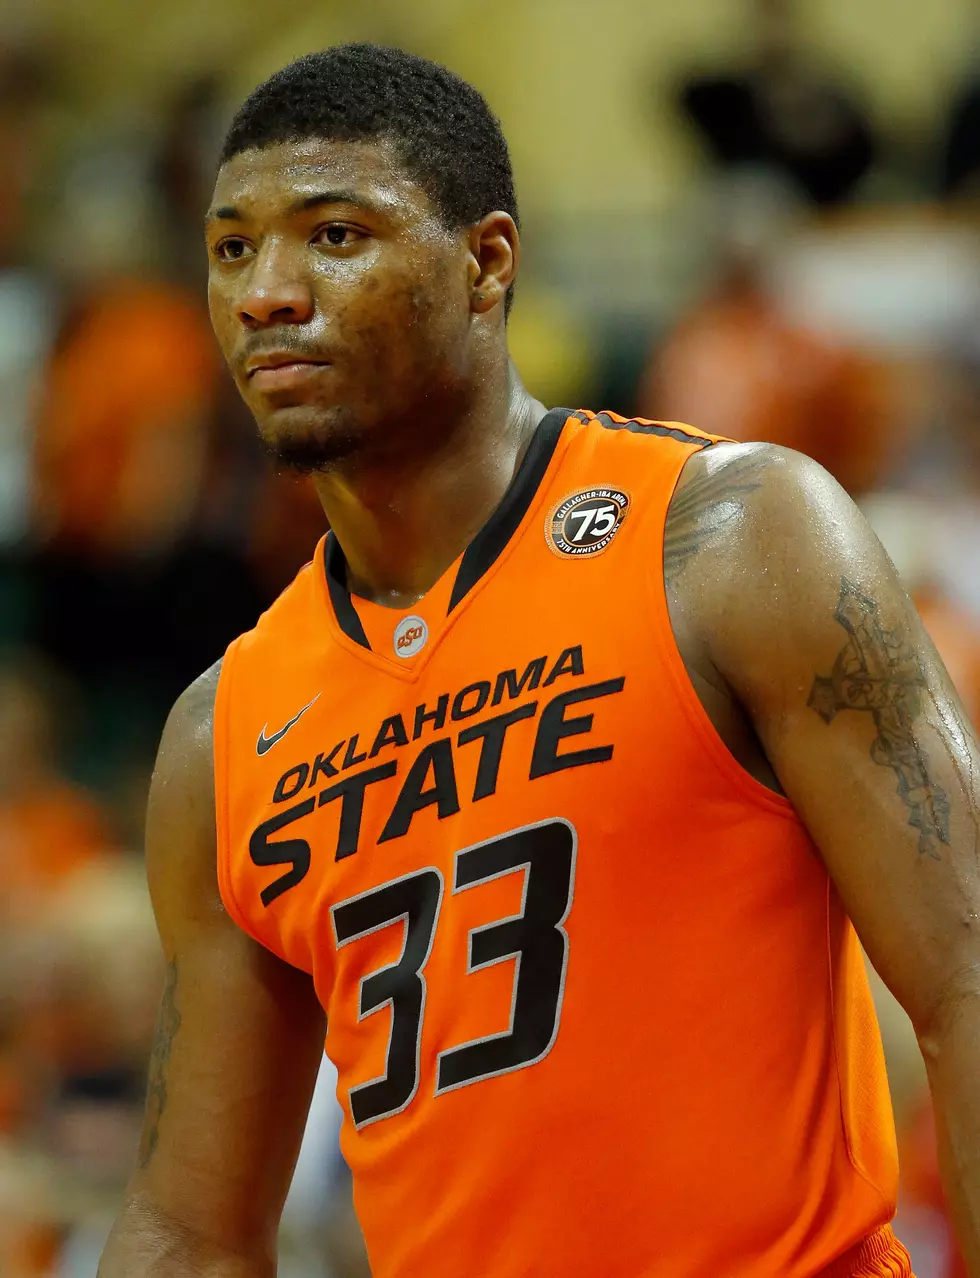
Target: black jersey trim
488 544
335 567
485 548
653 428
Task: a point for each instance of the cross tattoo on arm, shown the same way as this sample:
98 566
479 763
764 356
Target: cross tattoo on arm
878 672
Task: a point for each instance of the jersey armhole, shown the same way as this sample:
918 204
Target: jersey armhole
222 788
730 770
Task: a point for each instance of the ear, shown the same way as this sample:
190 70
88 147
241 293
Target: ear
495 250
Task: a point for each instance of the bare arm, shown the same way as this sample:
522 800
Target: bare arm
238 1044
801 616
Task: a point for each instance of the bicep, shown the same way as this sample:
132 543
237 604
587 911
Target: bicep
234 1064
864 729
239 1036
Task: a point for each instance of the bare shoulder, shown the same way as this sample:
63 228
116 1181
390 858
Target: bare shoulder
730 490
759 544
190 724
180 823
768 562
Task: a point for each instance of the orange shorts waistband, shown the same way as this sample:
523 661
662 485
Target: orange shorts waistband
880 1255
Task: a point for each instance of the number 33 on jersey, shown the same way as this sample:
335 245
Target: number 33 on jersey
582 974
545 855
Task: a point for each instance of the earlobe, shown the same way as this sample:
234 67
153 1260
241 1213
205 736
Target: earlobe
486 292
485 298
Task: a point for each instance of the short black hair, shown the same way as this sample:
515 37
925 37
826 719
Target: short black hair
448 139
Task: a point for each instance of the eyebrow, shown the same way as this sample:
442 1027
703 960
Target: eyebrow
229 213
330 197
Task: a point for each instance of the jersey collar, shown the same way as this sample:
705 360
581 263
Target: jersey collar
485 548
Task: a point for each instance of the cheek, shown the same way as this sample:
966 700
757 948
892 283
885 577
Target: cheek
432 312
222 316
422 306
420 294
394 314
408 317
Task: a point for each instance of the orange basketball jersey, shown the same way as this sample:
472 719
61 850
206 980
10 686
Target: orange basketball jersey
594 1003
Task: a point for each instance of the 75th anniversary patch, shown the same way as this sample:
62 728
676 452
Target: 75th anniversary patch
585 522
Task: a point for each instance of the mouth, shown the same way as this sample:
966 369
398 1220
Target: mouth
281 371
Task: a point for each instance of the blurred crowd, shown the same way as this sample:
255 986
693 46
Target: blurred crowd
833 306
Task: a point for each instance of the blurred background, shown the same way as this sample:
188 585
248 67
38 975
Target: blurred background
759 216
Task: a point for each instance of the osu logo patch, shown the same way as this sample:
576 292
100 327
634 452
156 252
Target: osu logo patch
411 634
584 523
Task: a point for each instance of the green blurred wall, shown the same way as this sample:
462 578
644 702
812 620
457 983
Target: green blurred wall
575 81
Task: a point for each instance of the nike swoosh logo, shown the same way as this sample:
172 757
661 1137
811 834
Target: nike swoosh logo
265 743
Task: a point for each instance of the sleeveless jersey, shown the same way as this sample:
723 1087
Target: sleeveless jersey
594 1003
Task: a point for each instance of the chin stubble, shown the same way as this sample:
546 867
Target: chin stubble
305 455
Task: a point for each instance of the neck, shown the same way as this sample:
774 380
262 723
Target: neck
402 521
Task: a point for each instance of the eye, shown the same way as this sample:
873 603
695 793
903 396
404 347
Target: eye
338 235
232 249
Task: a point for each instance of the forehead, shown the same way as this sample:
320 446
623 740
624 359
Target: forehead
264 181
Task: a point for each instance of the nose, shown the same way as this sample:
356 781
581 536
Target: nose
275 293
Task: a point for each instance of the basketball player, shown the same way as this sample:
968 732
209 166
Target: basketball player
556 789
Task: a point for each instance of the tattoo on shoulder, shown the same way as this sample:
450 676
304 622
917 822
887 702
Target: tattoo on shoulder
168 1023
878 671
705 509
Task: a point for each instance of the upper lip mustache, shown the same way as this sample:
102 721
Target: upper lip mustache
277 359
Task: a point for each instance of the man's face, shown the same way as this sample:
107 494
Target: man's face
338 296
